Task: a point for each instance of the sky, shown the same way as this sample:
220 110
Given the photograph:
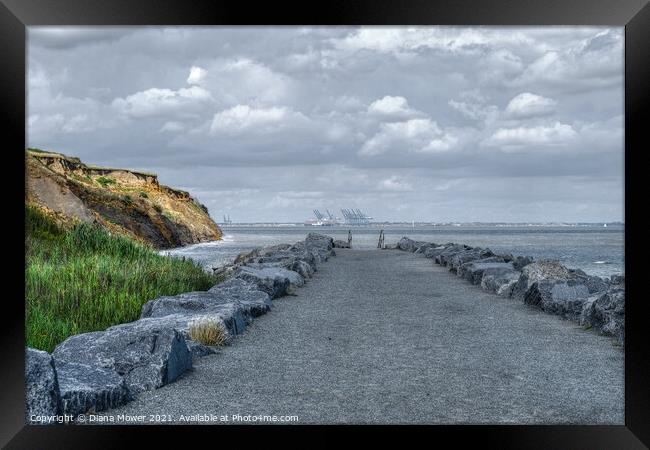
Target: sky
440 124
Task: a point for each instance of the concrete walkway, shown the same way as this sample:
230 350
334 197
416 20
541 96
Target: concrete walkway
388 337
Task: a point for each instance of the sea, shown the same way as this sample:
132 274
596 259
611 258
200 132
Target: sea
595 249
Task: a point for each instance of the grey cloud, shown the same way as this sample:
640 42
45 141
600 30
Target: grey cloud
266 123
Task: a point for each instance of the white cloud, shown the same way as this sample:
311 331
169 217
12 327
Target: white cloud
586 64
515 138
408 39
246 81
197 75
527 105
159 102
415 135
260 120
392 106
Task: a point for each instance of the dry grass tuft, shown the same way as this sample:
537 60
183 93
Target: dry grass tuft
208 332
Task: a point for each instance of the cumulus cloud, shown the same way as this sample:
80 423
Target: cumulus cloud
242 118
248 117
527 105
415 135
392 106
197 75
161 102
523 137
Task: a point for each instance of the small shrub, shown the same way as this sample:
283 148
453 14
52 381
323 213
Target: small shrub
104 181
208 332
143 195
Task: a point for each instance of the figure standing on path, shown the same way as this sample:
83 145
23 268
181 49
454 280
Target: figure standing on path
350 238
380 244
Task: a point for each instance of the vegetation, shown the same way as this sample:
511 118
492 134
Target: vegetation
105 181
84 279
208 332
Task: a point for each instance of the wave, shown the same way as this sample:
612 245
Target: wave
602 262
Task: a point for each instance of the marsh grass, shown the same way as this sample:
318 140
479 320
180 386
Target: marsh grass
208 332
84 279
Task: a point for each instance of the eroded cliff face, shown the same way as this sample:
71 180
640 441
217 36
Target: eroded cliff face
123 201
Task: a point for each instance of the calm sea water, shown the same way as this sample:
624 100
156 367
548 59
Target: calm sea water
596 250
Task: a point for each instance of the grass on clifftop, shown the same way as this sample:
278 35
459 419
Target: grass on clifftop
84 279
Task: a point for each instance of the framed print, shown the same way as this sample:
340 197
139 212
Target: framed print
352 214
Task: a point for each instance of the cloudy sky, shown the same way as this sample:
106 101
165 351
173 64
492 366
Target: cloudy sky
267 123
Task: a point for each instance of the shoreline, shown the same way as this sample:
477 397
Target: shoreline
96 371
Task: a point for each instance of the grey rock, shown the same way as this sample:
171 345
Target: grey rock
563 298
501 283
273 281
87 388
341 244
235 302
444 257
538 271
409 245
617 280
519 262
199 350
91 365
606 313
475 270
424 247
41 385
315 240
432 252
458 259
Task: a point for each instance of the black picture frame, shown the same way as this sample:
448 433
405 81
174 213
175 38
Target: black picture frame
634 15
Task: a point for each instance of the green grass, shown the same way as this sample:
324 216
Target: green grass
83 279
105 181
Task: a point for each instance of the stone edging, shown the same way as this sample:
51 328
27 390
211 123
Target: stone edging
591 301
95 371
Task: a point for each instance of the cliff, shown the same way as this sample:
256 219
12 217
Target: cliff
123 201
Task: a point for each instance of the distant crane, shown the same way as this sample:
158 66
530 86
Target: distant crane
355 217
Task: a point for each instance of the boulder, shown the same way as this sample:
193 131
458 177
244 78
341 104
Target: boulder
409 245
234 303
474 254
450 251
315 240
500 283
99 370
519 262
617 280
41 385
538 271
432 252
563 298
556 289
423 248
341 244
247 256
606 313
87 388
273 280
475 270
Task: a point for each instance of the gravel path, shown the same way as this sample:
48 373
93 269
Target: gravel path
388 337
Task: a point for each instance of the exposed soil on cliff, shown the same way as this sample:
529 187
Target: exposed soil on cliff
123 201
